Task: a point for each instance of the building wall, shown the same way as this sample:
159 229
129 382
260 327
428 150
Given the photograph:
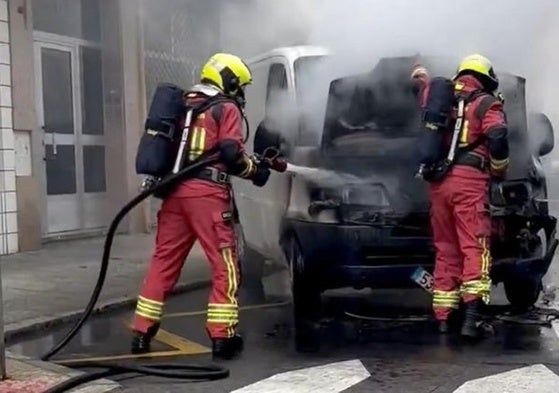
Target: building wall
178 37
26 133
136 55
21 139
133 95
8 200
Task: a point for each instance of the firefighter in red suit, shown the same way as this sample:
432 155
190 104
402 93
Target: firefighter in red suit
201 209
460 217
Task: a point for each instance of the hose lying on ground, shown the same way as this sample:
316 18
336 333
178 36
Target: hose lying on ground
167 370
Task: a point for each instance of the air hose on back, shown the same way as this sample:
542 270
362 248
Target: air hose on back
165 370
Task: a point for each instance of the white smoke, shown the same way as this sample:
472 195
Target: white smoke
249 27
517 35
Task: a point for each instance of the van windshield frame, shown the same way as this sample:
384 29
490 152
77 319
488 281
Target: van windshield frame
311 92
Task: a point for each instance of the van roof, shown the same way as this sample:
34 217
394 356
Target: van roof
291 53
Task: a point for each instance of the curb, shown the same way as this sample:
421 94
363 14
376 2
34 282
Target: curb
18 330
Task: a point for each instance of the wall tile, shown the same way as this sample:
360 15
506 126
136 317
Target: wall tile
5 96
5 54
4 32
7 181
6 118
5 75
13 245
8 202
4 10
7 139
8 223
11 221
7 160
4 244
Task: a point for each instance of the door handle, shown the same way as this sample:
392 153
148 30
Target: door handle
54 151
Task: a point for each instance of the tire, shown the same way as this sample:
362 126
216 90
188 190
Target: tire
523 293
306 302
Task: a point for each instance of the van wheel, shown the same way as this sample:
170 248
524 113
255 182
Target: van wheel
523 293
306 302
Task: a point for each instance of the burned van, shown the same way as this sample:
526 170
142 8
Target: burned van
369 227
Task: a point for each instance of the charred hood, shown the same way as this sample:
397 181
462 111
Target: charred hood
372 119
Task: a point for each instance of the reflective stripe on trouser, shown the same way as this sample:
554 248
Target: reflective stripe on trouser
446 299
448 259
173 242
461 230
223 308
480 288
461 234
149 309
182 221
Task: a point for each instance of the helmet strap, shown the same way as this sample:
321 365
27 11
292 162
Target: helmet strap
240 97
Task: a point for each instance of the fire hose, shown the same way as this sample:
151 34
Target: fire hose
269 158
165 370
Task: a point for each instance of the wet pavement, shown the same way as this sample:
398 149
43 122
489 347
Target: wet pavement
396 351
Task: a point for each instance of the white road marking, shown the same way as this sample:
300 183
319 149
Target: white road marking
555 325
329 378
533 379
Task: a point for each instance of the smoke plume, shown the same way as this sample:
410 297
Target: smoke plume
519 36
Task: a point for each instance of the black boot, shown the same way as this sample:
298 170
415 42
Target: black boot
471 327
227 348
141 342
444 327
452 324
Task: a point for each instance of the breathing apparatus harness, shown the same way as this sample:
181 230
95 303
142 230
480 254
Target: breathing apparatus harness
162 151
165 171
437 119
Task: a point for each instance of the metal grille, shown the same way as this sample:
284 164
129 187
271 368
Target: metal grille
179 36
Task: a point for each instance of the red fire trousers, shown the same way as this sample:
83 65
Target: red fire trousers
461 233
180 222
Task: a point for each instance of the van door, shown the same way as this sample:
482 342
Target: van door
279 117
262 209
246 195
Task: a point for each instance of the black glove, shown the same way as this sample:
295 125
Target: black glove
260 178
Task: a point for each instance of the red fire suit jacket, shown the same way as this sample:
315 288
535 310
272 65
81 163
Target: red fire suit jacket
479 119
207 131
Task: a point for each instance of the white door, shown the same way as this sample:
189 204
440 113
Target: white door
74 143
262 210
274 197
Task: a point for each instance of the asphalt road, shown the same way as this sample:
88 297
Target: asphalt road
357 355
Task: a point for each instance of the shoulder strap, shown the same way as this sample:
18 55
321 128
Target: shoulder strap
480 111
216 113
211 102
484 105
456 151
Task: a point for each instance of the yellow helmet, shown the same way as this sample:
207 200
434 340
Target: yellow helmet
480 65
227 72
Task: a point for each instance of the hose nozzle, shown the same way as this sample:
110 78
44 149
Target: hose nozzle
270 156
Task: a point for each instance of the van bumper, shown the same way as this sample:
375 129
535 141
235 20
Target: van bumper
364 256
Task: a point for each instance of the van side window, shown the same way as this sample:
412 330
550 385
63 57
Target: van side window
256 94
277 83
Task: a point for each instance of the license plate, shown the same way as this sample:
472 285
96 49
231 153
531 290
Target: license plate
423 278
